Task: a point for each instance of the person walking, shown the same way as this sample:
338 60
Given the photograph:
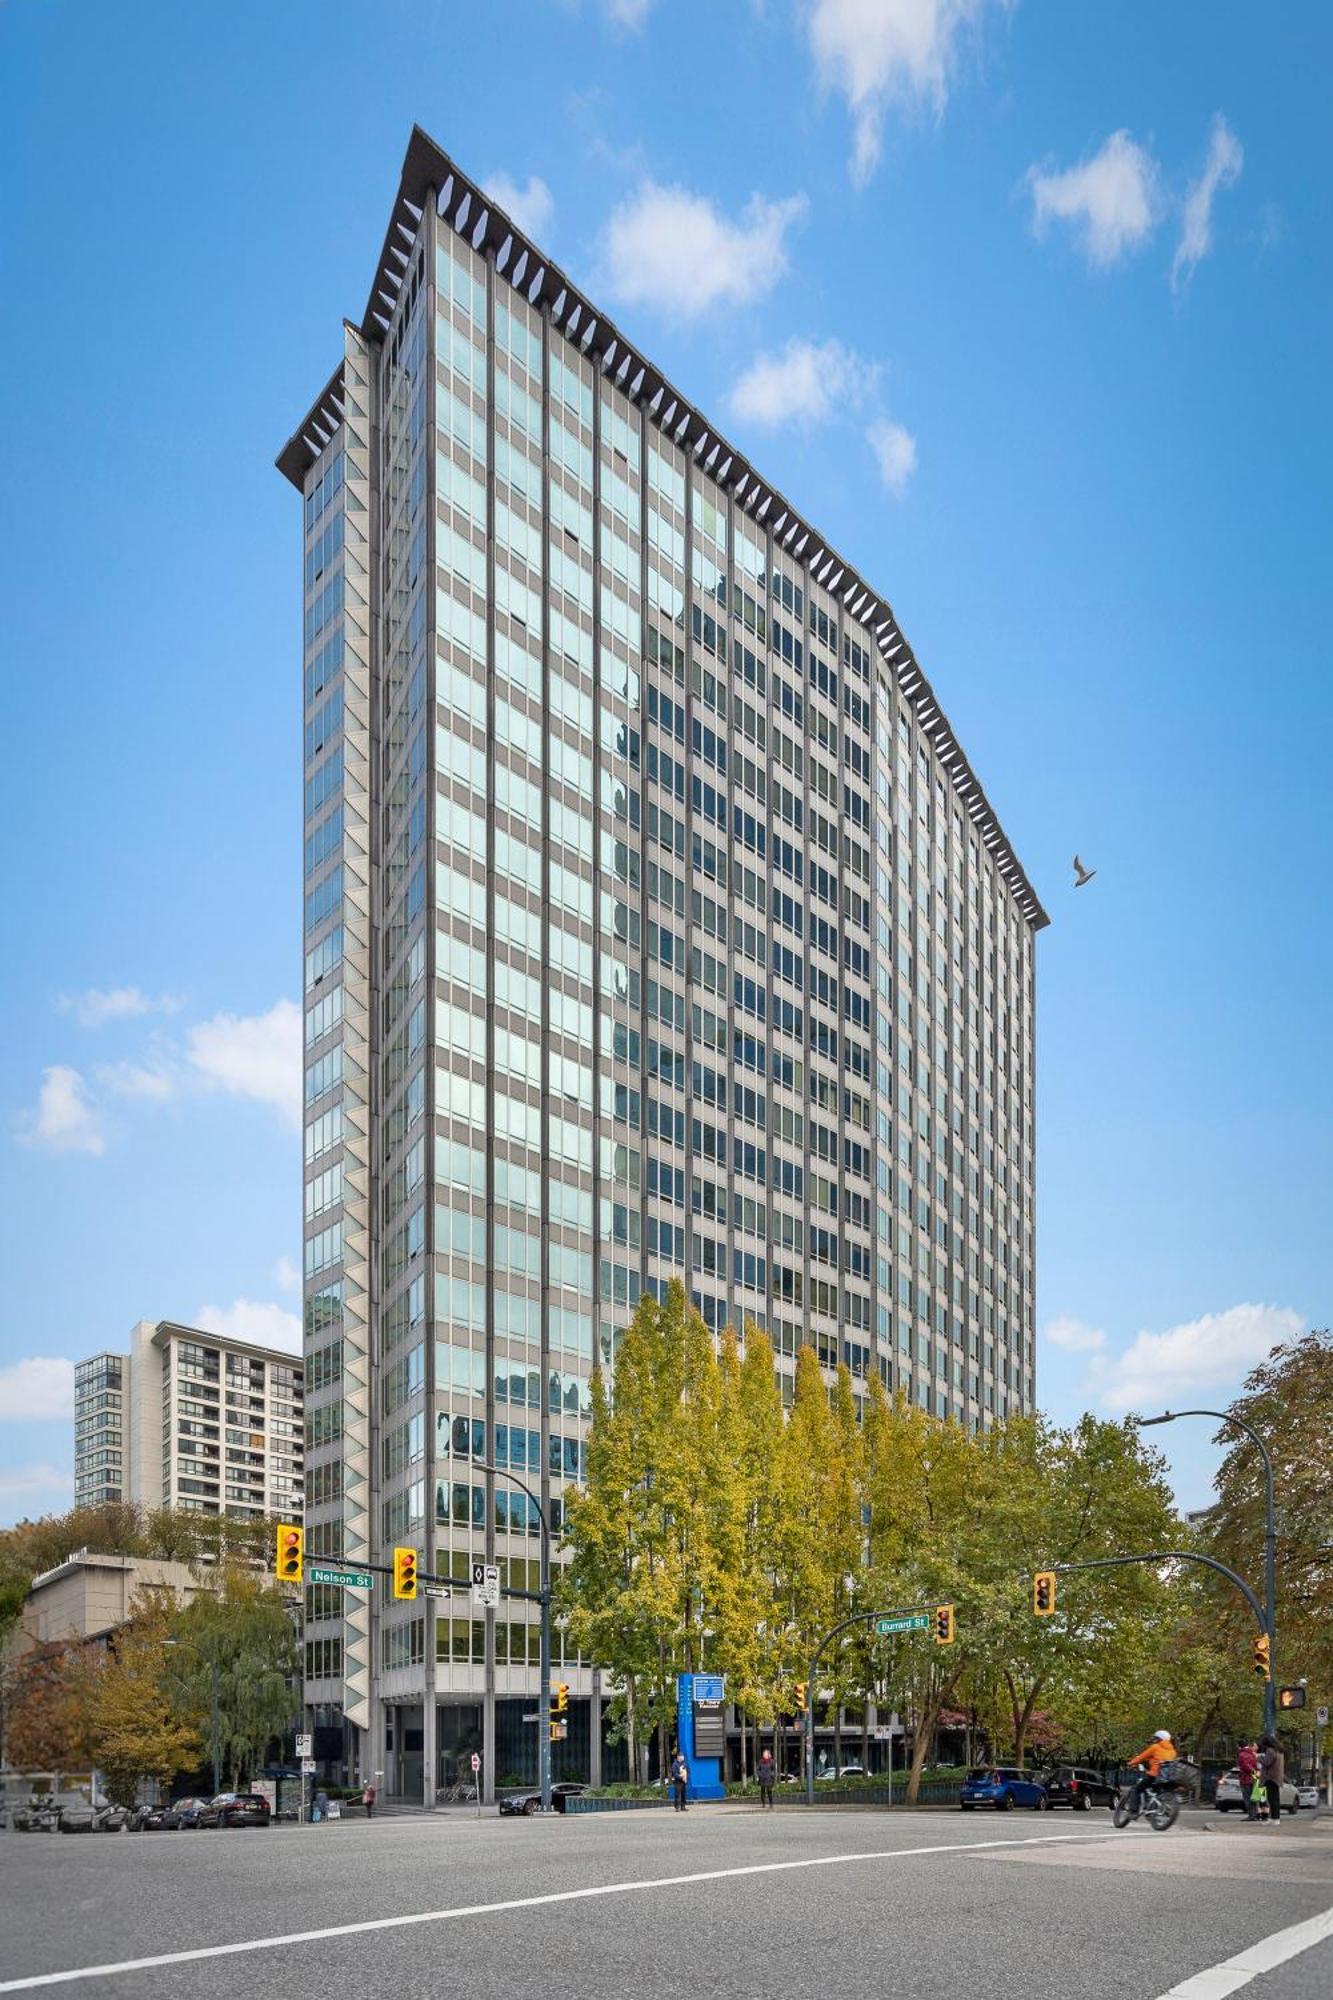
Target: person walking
680 1778
320 1808
368 1799
1273 1770
1247 1765
768 1777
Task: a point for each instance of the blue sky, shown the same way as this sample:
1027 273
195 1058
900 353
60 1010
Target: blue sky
1028 307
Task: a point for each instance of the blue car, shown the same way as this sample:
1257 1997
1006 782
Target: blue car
1003 1788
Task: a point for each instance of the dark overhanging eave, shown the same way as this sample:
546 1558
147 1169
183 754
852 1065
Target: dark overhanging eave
428 172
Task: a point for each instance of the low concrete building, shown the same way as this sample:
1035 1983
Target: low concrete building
88 1595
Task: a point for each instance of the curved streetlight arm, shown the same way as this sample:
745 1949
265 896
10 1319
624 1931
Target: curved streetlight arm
857 1618
1270 1537
1174 1555
544 1700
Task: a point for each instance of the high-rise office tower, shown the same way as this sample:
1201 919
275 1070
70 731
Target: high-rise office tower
655 924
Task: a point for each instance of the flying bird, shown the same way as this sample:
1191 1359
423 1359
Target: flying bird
1082 874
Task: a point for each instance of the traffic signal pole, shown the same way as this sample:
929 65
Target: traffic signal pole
1270 1539
857 1618
544 1600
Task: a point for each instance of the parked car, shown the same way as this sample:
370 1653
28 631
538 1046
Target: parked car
153 1819
77 1817
1229 1798
1004 1788
831 1776
111 1819
528 1803
1307 1798
188 1813
236 1809
1075 1786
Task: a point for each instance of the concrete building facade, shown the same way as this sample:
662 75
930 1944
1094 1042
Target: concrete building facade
655 925
191 1420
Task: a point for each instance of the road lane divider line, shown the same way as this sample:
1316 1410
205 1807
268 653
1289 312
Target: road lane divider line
370 1925
1233 1973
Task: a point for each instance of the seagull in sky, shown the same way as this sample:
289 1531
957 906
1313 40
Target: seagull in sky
1082 875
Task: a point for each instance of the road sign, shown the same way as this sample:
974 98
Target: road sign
917 1622
307 1767
475 1762
486 1584
533 1715
436 1589
1321 1717
305 1746
343 1579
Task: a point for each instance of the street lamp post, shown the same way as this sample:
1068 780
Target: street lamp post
544 1599
1270 1540
216 1707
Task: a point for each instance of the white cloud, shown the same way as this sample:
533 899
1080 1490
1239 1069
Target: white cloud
1221 170
250 1319
895 453
1075 1336
803 384
23 1482
880 52
626 13
1113 198
287 1275
675 251
99 1005
64 1121
158 1079
1214 1352
531 207
255 1055
37 1390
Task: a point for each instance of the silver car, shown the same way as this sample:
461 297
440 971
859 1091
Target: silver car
1230 1798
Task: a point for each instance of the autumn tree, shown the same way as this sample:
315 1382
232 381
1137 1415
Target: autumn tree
129 1709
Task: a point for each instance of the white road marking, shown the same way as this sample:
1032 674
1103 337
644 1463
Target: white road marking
1233 1973
372 1924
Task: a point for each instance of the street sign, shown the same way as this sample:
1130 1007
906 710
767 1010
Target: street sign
917 1622
307 1767
486 1584
475 1762
1321 1717
344 1579
436 1589
305 1746
533 1715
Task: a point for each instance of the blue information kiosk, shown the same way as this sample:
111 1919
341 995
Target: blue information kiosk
701 1731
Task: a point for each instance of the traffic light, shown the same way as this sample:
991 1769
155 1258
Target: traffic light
561 1701
1263 1666
944 1634
291 1552
1043 1593
1291 1697
802 1691
404 1572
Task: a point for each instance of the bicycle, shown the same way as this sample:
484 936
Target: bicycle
1159 1804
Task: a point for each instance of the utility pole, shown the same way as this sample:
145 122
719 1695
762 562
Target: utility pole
544 1600
1270 1542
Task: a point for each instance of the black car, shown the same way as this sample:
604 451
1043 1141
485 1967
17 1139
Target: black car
188 1813
1074 1785
531 1802
236 1809
154 1819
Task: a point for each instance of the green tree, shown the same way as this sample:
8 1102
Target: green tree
243 1629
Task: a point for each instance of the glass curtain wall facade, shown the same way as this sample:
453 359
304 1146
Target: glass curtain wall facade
655 927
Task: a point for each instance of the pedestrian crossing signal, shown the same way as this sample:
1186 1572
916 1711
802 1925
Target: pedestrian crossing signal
944 1633
1043 1593
405 1573
1291 1697
291 1552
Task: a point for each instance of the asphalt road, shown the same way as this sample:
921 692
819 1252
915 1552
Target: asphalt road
723 1902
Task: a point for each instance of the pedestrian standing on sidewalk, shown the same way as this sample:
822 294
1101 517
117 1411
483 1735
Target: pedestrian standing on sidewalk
768 1775
680 1778
321 1806
1273 1769
368 1800
1247 1764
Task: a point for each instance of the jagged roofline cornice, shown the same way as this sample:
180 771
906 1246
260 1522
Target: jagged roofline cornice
428 171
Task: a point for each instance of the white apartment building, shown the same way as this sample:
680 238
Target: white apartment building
190 1420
